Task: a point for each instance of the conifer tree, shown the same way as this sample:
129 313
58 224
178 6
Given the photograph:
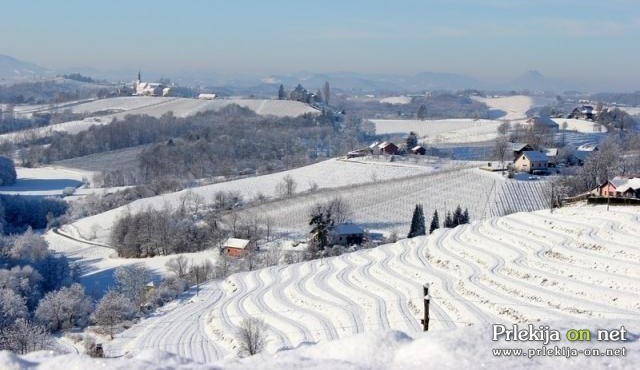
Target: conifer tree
457 216
465 216
448 221
417 223
435 222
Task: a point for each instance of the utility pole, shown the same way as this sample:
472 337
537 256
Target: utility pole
427 298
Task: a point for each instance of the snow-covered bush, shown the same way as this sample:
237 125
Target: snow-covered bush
113 309
64 308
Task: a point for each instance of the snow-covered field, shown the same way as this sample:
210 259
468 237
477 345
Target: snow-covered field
446 131
634 111
580 125
578 264
45 180
400 100
468 348
327 174
156 107
512 107
388 206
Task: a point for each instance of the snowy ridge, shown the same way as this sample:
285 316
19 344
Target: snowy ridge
156 107
577 263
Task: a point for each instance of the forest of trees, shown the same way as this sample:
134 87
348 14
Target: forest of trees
225 142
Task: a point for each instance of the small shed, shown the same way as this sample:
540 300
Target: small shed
347 234
206 96
235 247
531 161
419 150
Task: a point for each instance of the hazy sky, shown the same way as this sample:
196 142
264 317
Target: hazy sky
491 38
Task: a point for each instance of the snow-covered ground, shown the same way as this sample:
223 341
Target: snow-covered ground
50 180
634 111
512 107
156 107
445 131
578 264
387 206
327 174
580 125
98 261
469 348
400 100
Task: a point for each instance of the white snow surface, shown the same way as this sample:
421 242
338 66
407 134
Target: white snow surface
156 107
396 100
469 348
327 174
445 131
45 181
580 125
577 264
512 107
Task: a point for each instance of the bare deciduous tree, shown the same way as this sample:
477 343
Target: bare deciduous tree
252 336
287 187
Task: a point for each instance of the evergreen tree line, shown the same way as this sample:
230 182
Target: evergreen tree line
418 226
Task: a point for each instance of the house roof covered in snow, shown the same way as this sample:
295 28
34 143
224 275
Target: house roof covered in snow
587 147
535 155
623 184
236 243
385 144
551 152
516 147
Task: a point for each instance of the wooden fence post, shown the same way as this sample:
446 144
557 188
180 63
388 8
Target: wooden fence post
425 320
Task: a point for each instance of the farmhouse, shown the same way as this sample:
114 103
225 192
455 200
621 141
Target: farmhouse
530 161
583 152
418 149
235 247
347 234
518 148
387 147
620 187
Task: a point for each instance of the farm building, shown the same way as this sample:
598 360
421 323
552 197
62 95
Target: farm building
620 187
347 234
418 149
387 147
235 247
518 148
530 161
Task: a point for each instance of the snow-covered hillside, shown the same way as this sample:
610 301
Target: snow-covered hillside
44 181
445 131
575 264
512 107
388 206
327 174
156 107
468 348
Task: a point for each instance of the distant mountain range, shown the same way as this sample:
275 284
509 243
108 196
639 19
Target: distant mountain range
12 68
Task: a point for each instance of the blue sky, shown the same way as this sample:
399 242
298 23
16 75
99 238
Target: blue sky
486 39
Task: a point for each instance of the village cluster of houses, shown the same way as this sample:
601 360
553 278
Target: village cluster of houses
527 159
386 148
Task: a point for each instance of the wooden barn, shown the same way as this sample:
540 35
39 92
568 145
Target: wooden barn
235 247
387 147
